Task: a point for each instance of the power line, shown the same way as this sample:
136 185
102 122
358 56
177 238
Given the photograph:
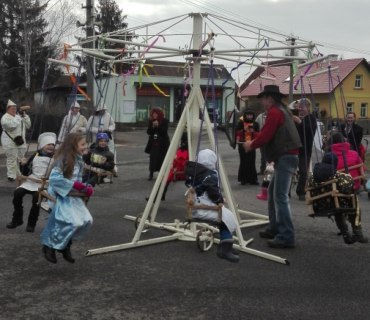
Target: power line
202 5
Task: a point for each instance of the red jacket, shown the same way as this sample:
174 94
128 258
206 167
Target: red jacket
343 150
178 165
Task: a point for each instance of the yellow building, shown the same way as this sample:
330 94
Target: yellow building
334 87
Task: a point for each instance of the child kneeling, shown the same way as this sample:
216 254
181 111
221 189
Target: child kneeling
326 170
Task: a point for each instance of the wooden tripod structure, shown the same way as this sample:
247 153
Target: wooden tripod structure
190 122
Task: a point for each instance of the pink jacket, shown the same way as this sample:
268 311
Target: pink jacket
352 158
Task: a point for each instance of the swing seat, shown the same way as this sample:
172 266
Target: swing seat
21 178
44 196
101 173
206 228
325 200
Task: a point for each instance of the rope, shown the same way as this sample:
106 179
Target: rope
210 79
265 43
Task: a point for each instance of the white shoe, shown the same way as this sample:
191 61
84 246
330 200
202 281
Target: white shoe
44 205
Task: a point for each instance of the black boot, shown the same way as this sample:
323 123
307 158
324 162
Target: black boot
358 235
30 228
49 254
13 224
233 251
343 228
67 254
164 192
150 176
224 250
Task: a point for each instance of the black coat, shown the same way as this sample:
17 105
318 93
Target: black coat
158 143
203 180
108 165
354 136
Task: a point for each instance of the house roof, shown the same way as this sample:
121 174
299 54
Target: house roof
177 69
317 84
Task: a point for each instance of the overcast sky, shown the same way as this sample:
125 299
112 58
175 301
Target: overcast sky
336 26
341 26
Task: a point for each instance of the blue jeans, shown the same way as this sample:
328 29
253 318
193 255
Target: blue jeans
279 210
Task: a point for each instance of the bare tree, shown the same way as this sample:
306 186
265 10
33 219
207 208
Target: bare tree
61 17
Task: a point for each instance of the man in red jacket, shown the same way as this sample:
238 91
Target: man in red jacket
282 141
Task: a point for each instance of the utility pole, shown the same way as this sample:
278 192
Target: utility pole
90 67
291 76
27 49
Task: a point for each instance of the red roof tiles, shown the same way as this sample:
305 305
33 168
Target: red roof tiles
317 84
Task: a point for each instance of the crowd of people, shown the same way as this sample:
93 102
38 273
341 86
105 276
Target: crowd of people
283 134
61 161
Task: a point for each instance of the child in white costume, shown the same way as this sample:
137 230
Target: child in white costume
37 166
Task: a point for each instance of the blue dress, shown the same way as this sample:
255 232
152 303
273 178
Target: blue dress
70 218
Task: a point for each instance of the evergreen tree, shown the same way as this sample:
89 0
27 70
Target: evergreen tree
111 19
110 16
24 53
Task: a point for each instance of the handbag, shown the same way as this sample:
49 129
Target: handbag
18 140
148 146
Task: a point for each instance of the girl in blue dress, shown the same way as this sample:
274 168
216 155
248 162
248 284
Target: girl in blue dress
69 218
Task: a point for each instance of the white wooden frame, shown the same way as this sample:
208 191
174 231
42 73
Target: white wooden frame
190 120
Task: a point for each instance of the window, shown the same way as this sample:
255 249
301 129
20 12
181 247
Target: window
349 107
316 109
363 110
358 81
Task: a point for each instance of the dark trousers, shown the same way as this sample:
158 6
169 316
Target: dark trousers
303 164
19 193
247 172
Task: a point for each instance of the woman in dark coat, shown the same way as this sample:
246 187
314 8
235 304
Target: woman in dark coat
159 140
247 129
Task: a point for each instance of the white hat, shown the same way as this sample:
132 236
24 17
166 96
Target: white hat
291 105
10 103
46 138
207 158
75 104
101 106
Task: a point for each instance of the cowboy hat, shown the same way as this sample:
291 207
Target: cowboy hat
271 90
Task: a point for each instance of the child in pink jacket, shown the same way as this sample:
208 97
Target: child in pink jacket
346 157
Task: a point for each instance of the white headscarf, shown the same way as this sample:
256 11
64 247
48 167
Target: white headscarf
46 138
207 158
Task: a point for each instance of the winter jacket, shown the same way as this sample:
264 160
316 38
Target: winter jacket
203 180
100 158
349 158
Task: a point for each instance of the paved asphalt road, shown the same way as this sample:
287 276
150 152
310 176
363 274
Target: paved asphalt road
326 279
